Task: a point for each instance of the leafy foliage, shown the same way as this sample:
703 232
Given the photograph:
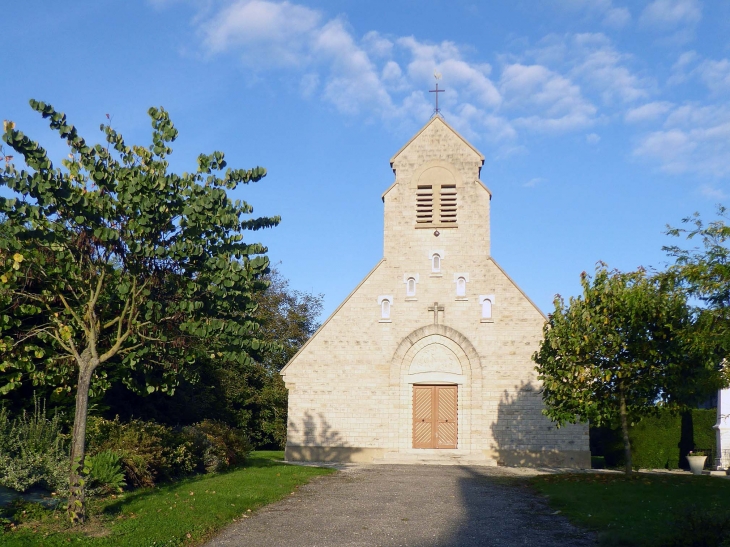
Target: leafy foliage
704 272
148 451
251 397
105 472
626 343
216 445
656 440
33 451
113 266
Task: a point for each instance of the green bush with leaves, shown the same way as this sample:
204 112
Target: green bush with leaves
656 440
105 472
148 451
216 445
33 451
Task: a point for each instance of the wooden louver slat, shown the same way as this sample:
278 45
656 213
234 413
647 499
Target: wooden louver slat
447 205
436 204
424 204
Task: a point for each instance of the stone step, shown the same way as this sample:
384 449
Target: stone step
435 457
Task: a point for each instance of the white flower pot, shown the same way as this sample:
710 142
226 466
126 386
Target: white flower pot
696 464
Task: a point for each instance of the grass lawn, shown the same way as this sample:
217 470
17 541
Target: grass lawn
639 510
184 513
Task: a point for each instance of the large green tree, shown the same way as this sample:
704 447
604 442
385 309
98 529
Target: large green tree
628 343
250 396
112 263
704 272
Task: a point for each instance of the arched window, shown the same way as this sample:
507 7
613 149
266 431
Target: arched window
461 286
436 263
486 301
385 309
486 309
411 286
385 301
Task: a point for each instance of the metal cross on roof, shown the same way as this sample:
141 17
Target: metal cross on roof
436 308
436 75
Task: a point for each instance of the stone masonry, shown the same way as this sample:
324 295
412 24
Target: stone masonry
351 386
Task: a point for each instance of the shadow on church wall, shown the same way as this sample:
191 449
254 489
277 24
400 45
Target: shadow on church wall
523 437
318 441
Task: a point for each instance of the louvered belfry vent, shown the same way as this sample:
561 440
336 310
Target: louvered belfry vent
447 204
424 204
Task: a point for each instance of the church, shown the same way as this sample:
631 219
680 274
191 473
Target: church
428 360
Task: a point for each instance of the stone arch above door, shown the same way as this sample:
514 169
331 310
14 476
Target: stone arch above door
429 341
433 355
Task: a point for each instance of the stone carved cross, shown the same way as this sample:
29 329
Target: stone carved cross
435 309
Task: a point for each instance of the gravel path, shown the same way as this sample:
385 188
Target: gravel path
407 505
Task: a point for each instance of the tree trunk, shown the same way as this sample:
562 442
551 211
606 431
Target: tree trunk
76 508
625 431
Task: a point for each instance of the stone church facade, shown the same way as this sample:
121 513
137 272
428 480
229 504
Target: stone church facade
429 358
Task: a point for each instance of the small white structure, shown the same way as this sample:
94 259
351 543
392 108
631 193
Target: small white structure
723 429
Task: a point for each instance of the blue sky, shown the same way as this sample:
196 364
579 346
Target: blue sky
601 120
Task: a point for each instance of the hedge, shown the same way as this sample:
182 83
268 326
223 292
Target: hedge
657 441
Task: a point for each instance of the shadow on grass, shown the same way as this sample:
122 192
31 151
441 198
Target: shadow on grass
257 460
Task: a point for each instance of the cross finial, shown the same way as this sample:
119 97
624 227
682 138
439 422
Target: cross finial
435 309
437 75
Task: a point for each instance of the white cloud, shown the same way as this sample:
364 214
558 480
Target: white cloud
592 60
377 45
265 32
354 81
715 74
694 139
610 15
469 79
648 112
546 100
681 69
669 14
711 192
676 20
566 83
617 17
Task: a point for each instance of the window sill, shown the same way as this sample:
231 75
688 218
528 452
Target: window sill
461 299
436 275
411 299
385 321
487 320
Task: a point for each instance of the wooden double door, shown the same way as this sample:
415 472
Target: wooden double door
434 416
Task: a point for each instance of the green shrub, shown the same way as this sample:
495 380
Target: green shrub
33 451
216 445
105 472
655 440
148 451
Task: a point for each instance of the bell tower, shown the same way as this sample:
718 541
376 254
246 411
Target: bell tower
437 199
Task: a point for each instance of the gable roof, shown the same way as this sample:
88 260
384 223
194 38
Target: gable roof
433 120
324 324
491 259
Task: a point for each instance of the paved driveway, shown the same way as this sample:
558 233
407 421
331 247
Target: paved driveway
407 505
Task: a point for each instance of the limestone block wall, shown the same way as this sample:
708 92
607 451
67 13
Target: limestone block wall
350 387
